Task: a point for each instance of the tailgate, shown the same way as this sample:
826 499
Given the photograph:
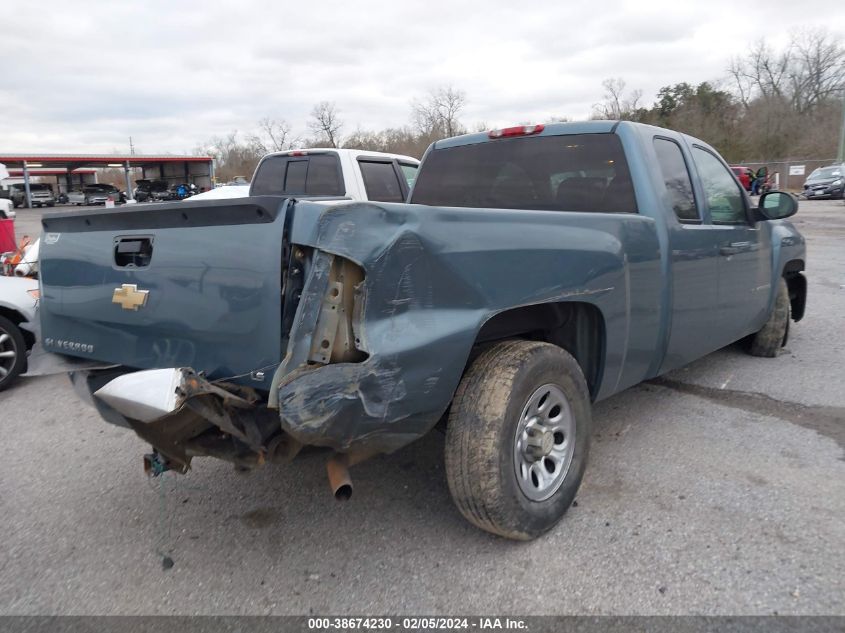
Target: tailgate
174 285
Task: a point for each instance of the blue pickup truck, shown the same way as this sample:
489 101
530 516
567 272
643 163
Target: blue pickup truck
534 270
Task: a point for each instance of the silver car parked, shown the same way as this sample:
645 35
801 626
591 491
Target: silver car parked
39 195
87 196
18 301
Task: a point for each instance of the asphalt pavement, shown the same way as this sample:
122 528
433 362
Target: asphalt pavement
719 489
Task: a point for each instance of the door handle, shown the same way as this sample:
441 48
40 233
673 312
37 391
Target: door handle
734 247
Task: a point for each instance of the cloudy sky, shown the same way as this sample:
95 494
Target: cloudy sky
84 76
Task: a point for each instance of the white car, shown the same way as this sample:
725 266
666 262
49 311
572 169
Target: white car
7 209
18 303
219 193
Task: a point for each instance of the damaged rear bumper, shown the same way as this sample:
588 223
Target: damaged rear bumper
183 415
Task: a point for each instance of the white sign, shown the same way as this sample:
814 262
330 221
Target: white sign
796 170
3 173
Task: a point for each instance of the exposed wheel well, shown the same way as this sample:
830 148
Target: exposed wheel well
576 327
797 285
17 318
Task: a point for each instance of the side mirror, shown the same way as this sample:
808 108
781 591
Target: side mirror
776 205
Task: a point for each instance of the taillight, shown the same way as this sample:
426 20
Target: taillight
516 130
298 153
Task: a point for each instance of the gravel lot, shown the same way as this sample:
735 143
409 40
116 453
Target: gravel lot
718 490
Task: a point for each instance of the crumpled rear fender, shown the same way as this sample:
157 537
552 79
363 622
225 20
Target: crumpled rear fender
433 276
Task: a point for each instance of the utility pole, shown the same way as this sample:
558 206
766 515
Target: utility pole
131 147
841 155
26 187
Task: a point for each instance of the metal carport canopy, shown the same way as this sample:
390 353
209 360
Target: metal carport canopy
70 162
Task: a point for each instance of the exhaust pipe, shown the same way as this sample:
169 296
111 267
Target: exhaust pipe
338 470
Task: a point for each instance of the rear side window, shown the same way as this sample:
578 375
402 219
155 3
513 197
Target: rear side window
315 175
381 181
270 178
578 172
676 178
410 172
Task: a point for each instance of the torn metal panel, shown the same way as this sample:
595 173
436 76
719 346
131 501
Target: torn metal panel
322 341
349 406
305 320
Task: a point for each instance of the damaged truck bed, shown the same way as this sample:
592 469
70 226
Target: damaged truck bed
535 270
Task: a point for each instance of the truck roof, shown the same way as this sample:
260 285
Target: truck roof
549 129
354 153
556 129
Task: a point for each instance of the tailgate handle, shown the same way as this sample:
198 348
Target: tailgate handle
133 252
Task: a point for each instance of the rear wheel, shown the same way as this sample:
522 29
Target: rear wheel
12 352
772 336
518 438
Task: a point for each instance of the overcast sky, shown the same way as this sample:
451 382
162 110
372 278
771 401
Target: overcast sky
84 76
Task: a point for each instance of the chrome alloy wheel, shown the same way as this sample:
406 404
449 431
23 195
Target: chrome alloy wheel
544 443
8 354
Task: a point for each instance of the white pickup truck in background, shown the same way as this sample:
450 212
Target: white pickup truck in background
351 173
7 209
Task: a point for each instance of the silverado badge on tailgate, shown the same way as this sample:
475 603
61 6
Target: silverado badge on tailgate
129 297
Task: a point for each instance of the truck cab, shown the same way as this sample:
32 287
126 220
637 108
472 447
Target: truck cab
343 173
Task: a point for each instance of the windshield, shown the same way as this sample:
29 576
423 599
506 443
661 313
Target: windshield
826 172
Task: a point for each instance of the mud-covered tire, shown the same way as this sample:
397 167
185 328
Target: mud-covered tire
772 336
481 467
11 342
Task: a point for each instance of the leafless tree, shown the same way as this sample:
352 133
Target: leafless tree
401 140
616 106
366 139
326 123
817 71
438 113
231 156
273 136
761 72
809 71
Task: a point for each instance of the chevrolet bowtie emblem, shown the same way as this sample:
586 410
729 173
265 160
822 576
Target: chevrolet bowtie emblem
129 297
